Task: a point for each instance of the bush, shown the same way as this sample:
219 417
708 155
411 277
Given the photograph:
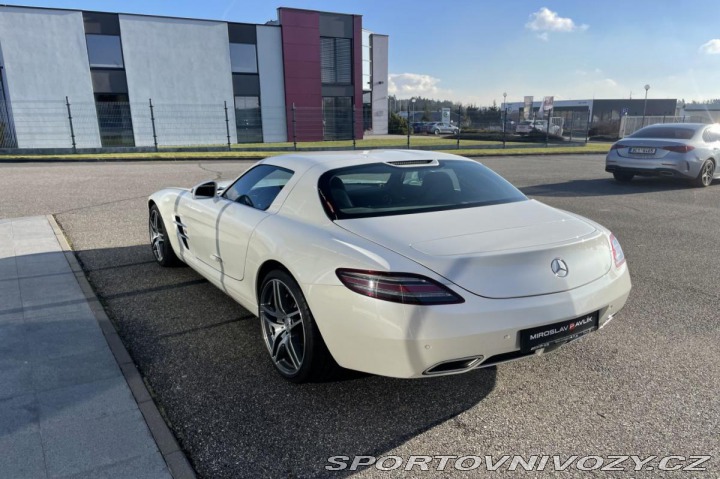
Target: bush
397 125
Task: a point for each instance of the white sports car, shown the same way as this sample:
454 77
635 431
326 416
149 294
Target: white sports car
398 263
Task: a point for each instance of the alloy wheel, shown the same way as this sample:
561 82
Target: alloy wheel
282 326
157 237
707 173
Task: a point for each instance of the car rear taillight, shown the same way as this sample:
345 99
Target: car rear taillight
617 252
617 146
403 288
679 148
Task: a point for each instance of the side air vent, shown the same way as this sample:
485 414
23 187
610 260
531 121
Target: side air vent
182 232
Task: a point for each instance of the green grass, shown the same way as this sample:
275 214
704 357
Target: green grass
252 155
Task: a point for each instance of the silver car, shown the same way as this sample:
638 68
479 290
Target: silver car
679 150
437 128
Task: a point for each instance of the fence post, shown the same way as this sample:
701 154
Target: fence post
587 126
152 120
227 125
294 125
458 136
72 129
353 125
408 126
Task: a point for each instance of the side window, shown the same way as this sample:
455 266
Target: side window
259 186
714 134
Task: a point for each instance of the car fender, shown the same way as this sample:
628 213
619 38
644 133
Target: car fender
167 201
312 253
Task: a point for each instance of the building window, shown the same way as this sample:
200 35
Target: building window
366 61
337 118
243 58
367 111
336 60
7 137
248 119
114 119
104 51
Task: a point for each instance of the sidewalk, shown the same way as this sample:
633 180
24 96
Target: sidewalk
66 409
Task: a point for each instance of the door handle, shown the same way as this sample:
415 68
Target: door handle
215 257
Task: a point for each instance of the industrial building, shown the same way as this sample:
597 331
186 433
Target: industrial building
86 79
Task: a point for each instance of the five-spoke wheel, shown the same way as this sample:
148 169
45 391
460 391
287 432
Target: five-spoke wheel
292 338
707 172
159 242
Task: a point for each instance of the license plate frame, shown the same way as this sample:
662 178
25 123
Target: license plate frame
642 150
540 337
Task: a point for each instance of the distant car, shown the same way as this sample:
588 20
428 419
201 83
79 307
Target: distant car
679 150
438 128
400 263
420 126
529 126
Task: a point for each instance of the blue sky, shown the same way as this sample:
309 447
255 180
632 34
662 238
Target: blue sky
472 51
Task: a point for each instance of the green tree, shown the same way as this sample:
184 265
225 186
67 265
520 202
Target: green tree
397 125
426 114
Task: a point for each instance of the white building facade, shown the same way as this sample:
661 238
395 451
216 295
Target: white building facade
78 79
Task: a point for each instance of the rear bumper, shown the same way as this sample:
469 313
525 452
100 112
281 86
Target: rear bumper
671 165
405 341
664 171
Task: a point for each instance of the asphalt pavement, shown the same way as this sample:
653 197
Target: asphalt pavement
647 384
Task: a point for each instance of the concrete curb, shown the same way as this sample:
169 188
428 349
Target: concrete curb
175 458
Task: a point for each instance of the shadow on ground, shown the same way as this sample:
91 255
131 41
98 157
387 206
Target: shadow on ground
605 187
203 357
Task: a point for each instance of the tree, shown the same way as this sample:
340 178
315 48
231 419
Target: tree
426 114
397 125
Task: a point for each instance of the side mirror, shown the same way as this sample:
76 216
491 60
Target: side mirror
205 190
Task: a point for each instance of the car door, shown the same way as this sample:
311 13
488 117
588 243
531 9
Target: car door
195 224
245 205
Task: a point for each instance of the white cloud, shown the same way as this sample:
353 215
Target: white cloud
406 85
712 47
545 20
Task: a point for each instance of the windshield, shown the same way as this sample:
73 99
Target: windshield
665 132
382 189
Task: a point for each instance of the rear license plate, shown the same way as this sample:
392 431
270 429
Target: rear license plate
544 336
643 151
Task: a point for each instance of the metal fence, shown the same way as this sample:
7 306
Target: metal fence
63 124
630 124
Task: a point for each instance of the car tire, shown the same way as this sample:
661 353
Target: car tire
436 132
622 176
705 177
293 340
159 242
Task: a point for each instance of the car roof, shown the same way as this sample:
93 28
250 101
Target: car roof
328 160
686 125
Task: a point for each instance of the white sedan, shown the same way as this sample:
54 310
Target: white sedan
398 263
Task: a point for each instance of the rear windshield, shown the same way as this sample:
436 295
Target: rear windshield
382 189
665 132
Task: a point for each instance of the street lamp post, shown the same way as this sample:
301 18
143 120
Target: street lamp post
647 87
409 123
504 116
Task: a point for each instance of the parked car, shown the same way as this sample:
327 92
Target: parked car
526 127
420 126
679 150
398 263
438 128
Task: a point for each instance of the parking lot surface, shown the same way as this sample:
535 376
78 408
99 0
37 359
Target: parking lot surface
648 384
